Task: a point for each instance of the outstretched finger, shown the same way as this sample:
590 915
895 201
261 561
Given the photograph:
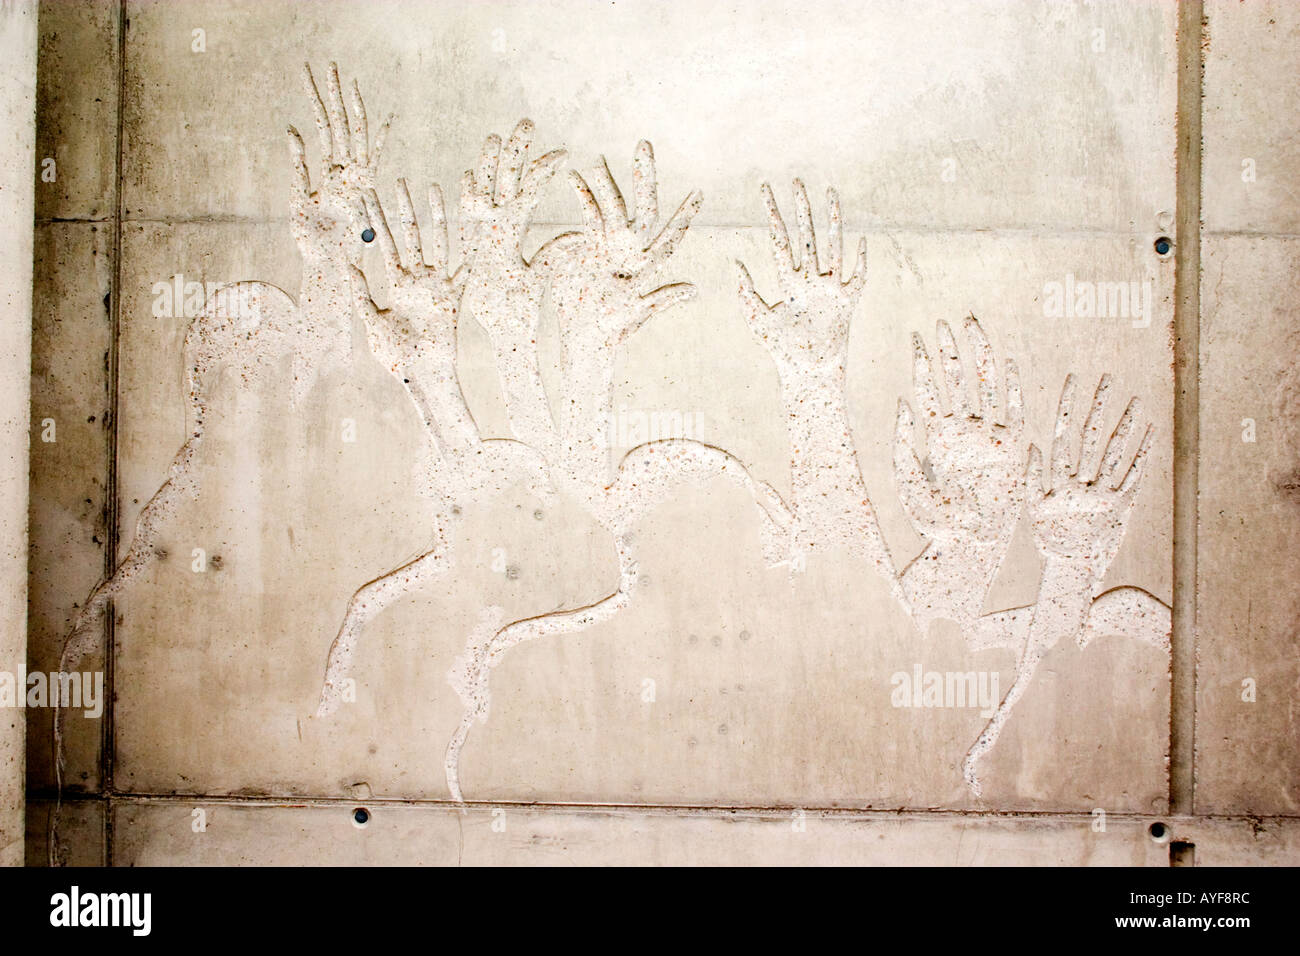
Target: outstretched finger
1015 416
538 174
609 196
1129 487
985 367
807 234
652 303
646 189
322 121
554 252
410 229
338 115
665 244
361 294
665 297
1114 454
1061 458
591 214
1034 472
954 379
1093 426
858 281
915 492
360 127
380 138
486 176
753 302
781 251
835 243
298 156
469 213
438 247
515 158
927 393
379 223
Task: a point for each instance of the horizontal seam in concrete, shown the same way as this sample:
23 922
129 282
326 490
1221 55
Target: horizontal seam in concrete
878 229
282 802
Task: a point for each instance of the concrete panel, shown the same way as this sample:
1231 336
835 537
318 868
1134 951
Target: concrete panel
925 115
752 705
76 110
244 835
1249 618
80 832
1251 144
72 331
17 118
558 530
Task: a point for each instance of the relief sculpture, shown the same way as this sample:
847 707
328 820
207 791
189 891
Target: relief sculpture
965 468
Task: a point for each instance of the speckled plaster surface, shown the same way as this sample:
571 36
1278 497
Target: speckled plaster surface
817 456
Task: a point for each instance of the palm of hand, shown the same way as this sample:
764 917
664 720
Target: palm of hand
809 328
979 476
973 489
1081 518
607 275
502 291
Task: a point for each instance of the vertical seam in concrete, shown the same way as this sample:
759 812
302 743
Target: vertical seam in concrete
111 484
1186 466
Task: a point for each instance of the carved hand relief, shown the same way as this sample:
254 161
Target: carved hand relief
964 469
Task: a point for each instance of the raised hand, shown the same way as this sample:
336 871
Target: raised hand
809 327
424 296
1080 520
967 496
807 334
415 337
496 205
328 222
1078 524
503 292
607 276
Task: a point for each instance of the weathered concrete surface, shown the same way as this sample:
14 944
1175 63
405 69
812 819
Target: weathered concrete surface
81 832
1023 98
742 684
76 109
17 119
1248 634
988 172
72 333
155 834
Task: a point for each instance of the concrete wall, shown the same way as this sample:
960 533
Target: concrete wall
17 120
341 526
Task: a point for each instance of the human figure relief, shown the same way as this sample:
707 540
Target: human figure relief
248 331
964 486
605 282
1078 522
415 338
807 335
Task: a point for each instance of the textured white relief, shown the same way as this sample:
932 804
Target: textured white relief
1078 517
807 334
965 478
606 283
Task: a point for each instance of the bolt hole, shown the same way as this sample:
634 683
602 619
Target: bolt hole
360 817
1164 245
1159 832
367 235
